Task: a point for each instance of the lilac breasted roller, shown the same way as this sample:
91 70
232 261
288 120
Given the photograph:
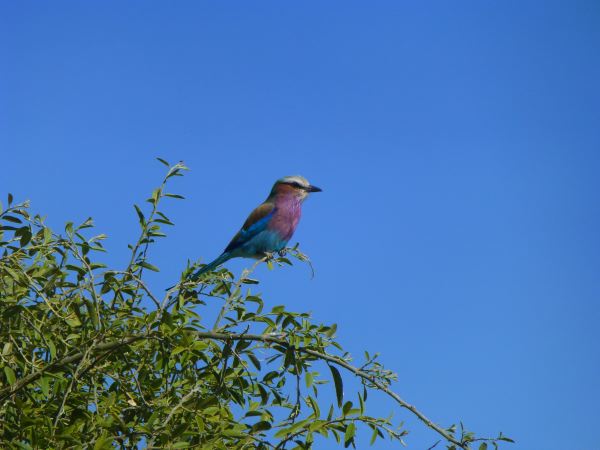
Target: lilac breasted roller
270 226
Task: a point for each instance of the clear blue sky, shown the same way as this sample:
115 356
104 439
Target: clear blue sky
457 143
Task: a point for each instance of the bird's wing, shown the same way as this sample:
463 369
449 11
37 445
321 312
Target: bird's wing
255 223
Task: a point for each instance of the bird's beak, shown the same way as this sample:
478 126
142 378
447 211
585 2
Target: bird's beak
312 188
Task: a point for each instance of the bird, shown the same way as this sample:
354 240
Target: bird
269 226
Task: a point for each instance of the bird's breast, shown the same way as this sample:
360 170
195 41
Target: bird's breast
286 218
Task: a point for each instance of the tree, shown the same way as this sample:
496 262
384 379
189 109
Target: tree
92 358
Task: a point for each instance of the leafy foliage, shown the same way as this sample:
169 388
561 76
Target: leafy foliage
92 358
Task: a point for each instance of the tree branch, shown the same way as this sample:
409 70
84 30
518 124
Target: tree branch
57 365
20 384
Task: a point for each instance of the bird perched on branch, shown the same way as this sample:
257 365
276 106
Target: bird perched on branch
270 226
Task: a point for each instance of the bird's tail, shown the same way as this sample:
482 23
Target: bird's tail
211 266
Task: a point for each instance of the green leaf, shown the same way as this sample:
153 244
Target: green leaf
339 386
308 379
104 443
51 348
349 434
178 349
263 425
12 219
25 237
69 228
7 349
73 321
257 300
483 446
149 266
156 194
315 406
180 197
164 162
87 224
374 436
290 357
140 215
254 360
264 395
79 270
23 212
331 331
362 403
10 374
10 198
47 235
346 408
44 384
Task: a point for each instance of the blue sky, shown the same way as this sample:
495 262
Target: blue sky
457 143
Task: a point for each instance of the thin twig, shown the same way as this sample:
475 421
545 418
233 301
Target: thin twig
434 445
227 305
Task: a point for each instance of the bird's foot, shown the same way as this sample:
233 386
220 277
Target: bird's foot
282 252
269 256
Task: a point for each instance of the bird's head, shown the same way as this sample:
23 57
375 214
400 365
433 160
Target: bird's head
294 185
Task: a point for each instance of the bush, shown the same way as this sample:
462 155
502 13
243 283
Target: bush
92 358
